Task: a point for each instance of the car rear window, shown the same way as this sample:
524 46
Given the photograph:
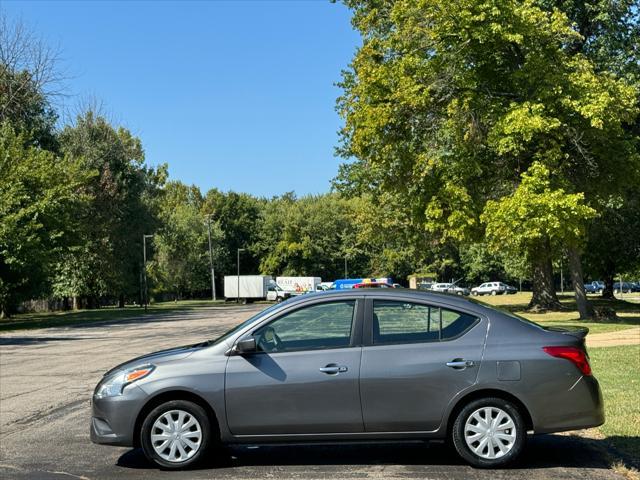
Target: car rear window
407 322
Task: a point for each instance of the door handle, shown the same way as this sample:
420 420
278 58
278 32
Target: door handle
460 363
333 369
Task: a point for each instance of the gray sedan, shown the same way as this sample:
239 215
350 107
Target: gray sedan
355 365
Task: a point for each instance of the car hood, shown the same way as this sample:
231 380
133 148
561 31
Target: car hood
161 356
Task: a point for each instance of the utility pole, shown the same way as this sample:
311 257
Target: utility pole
561 277
238 292
144 269
213 272
346 271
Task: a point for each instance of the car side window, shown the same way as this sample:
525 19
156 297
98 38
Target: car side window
325 325
406 322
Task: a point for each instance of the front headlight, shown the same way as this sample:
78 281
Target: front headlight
114 385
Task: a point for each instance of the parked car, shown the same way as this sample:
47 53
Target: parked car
626 287
324 286
491 288
451 288
597 285
590 288
374 285
441 287
458 290
358 364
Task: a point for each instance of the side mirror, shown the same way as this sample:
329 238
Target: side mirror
245 346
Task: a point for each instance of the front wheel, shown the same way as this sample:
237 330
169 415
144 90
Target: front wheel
475 294
176 434
489 433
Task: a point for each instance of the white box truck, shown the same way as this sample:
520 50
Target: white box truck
298 285
253 287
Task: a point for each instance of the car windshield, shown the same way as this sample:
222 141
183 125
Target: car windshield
240 326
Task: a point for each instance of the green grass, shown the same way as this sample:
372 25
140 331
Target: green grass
29 321
618 371
628 311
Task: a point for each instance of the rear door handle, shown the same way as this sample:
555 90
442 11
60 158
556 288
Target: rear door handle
333 369
460 363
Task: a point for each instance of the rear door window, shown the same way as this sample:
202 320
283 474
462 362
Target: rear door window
406 322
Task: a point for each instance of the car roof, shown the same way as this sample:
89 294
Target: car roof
403 293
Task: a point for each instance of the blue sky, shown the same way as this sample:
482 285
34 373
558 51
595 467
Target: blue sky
234 95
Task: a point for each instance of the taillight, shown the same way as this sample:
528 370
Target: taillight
574 354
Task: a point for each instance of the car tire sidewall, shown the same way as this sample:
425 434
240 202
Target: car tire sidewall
193 409
493 292
457 433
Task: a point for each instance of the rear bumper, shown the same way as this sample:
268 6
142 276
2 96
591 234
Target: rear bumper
580 407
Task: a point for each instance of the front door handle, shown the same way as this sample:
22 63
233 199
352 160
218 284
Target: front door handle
460 363
333 369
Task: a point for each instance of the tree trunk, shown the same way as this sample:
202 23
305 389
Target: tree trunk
575 266
76 305
121 301
544 292
608 286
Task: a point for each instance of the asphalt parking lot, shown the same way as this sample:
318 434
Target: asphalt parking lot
47 377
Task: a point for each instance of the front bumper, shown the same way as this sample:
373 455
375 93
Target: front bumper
113 418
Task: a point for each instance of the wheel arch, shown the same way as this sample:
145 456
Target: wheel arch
489 393
168 396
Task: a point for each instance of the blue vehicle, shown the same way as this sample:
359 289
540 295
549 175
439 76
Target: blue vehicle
346 283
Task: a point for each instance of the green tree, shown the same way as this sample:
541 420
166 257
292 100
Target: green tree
306 236
29 78
237 215
181 245
534 218
447 104
107 260
39 193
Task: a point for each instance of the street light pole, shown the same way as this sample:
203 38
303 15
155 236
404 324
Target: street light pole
346 271
144 269
213 272
238 264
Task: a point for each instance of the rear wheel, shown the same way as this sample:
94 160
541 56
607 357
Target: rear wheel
494 292
489 433
176 434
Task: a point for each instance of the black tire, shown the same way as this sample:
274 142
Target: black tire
457 433
475 294
198 413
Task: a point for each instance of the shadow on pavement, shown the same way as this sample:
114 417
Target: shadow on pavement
22 341
545 451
